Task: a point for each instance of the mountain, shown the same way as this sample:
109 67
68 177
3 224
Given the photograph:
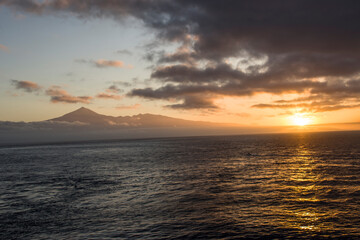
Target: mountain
85 115
89 117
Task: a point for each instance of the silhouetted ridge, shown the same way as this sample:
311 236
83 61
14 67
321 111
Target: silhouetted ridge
90 117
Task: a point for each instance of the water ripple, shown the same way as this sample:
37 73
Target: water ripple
289 186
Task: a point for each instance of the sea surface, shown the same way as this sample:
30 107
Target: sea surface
281 186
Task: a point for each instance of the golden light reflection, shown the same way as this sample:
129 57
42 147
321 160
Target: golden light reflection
288 194
304 212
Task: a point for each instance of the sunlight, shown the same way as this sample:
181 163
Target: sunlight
300 119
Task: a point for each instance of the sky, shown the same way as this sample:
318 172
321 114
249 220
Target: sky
257 63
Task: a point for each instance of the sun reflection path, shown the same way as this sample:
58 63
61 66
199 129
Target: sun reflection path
303 211
290 190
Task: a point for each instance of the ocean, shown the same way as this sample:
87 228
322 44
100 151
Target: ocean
274 186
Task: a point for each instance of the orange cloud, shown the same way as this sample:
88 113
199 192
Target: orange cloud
109 96
4 48
27 86
122 107
60 95
101 63
109 63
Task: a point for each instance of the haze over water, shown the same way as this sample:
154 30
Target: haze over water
302 185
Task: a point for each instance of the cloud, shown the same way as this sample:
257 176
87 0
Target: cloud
327 98
57 95
124 52
111 92
27 86
123 107
125 84
309 107
101 63
195 102
242 114
113 89
108 63
237 48
4 48
109 96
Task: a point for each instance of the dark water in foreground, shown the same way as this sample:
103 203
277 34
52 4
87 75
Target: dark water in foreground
289 186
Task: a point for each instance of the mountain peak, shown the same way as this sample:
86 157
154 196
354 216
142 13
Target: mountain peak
83 110
82 115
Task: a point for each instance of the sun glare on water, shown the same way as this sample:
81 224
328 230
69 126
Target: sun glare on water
300 120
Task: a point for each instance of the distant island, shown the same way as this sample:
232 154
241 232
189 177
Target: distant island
84 124
88 117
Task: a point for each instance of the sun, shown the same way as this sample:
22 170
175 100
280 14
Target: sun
300 119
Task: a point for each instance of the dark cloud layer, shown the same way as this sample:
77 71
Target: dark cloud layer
239 48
